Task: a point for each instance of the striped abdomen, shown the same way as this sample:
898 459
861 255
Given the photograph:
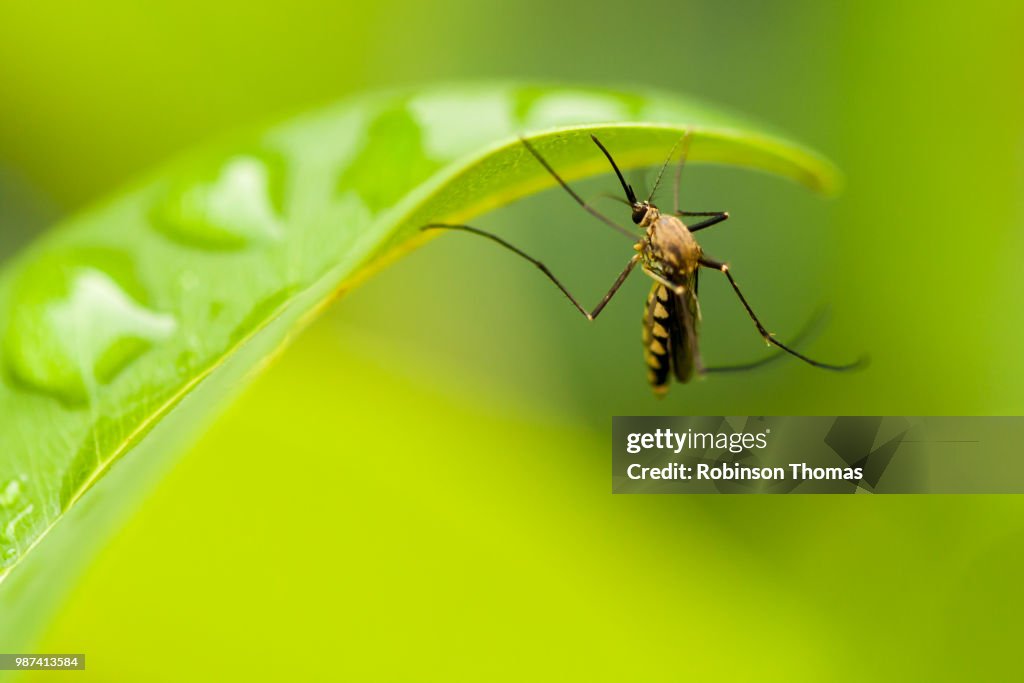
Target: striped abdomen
670 336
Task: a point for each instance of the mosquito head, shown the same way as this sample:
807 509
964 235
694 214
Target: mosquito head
644 213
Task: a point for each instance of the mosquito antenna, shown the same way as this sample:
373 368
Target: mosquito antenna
579 200
687 137
630 195
657 181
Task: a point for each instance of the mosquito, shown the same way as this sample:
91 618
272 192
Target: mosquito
670 255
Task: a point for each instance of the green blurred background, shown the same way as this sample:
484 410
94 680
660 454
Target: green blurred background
419 488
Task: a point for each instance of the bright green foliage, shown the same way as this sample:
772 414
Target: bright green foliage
143 313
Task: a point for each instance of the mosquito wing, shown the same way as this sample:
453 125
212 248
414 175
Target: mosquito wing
683 332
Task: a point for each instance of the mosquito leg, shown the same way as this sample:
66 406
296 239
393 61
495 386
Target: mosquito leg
572 193
678 289
743 367
716 217
715 265
778 354
544 269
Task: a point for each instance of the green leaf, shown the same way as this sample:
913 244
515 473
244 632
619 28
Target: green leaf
125 327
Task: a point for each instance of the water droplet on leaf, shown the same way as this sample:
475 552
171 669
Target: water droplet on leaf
12 524
74 325
10 493
237 203
373 162
574 108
